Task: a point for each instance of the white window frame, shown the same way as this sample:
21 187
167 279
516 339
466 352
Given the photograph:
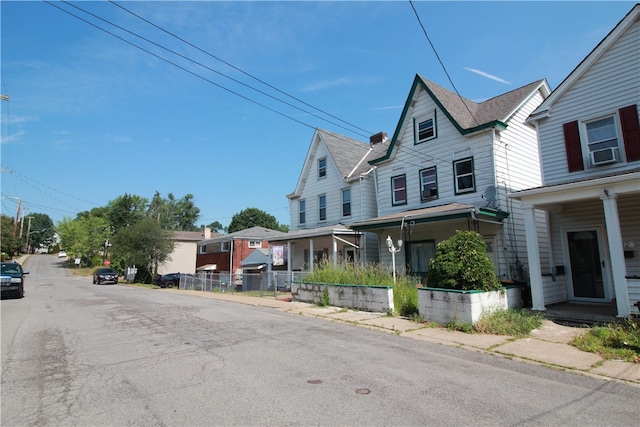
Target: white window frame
302 211
424 198
457 177
255 244
394 190
322 168
424 120
322 207
611 143
346 204
225 246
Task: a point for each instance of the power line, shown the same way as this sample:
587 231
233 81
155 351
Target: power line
424 31
239 69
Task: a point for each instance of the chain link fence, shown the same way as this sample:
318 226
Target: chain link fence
245 282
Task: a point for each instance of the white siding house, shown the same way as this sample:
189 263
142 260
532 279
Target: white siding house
183 257
589 138
449 166
335 188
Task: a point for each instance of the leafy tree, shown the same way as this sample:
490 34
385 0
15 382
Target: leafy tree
215 226
174 214
9 245
144 244
84 237
126 210
253 217
41 231
461 262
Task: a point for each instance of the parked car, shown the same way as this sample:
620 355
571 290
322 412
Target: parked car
62 254
12 279
168 280
105 275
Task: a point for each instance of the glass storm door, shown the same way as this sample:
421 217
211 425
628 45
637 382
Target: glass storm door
586 265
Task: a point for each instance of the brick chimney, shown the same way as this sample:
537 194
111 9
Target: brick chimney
378 138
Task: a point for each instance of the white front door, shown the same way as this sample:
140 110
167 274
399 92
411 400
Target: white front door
587 273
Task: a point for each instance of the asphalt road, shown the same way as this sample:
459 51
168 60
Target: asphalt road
79 354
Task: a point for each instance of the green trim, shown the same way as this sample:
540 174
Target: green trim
395 222
299 282
418 81
495 213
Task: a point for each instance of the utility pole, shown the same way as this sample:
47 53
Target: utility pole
15 223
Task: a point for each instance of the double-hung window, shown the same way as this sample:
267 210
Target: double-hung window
399 190
428 184
302 211
346 202
424 128
602 141
322 167
463 173
322 207
255 243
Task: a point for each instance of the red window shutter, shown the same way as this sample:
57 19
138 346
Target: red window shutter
630 132
573 146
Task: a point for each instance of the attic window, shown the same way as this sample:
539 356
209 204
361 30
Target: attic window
424 128
322 167
255 243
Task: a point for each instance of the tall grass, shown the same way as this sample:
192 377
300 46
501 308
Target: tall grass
405 293
514 322
613 341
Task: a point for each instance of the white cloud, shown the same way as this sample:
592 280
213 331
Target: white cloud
487 75
12 138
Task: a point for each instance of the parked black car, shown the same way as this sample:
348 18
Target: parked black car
105 275
168 280
12 279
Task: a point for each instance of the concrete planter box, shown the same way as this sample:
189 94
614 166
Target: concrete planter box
366 298
447 305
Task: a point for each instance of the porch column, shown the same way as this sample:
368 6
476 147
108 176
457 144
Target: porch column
616 252
533 258
289 257
310 255
335 250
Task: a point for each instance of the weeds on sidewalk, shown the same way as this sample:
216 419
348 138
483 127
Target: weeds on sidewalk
613 341
514 322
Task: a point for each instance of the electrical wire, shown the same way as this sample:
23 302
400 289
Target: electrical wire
239 69
209 68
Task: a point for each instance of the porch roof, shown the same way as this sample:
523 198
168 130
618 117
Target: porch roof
435 213
329 230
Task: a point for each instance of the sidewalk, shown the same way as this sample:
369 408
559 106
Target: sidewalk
548 345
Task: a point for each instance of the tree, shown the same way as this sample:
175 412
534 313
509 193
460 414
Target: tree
215 227
85 236
41 231
126 210
173 214
9 245
144 244
253 217
461 262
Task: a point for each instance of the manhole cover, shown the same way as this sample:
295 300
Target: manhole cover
314 381
363 391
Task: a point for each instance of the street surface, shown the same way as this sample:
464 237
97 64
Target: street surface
78 354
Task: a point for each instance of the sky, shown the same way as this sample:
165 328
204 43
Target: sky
221 99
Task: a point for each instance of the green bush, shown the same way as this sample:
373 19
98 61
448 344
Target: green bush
461 263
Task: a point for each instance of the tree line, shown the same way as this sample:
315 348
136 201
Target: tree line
130 230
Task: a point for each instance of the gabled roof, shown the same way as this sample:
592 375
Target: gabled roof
467 116
585 65
253 233
349 155
327 230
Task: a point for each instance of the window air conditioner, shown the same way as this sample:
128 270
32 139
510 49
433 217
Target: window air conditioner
603 157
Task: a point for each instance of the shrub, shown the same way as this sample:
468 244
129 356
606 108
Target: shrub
461 262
